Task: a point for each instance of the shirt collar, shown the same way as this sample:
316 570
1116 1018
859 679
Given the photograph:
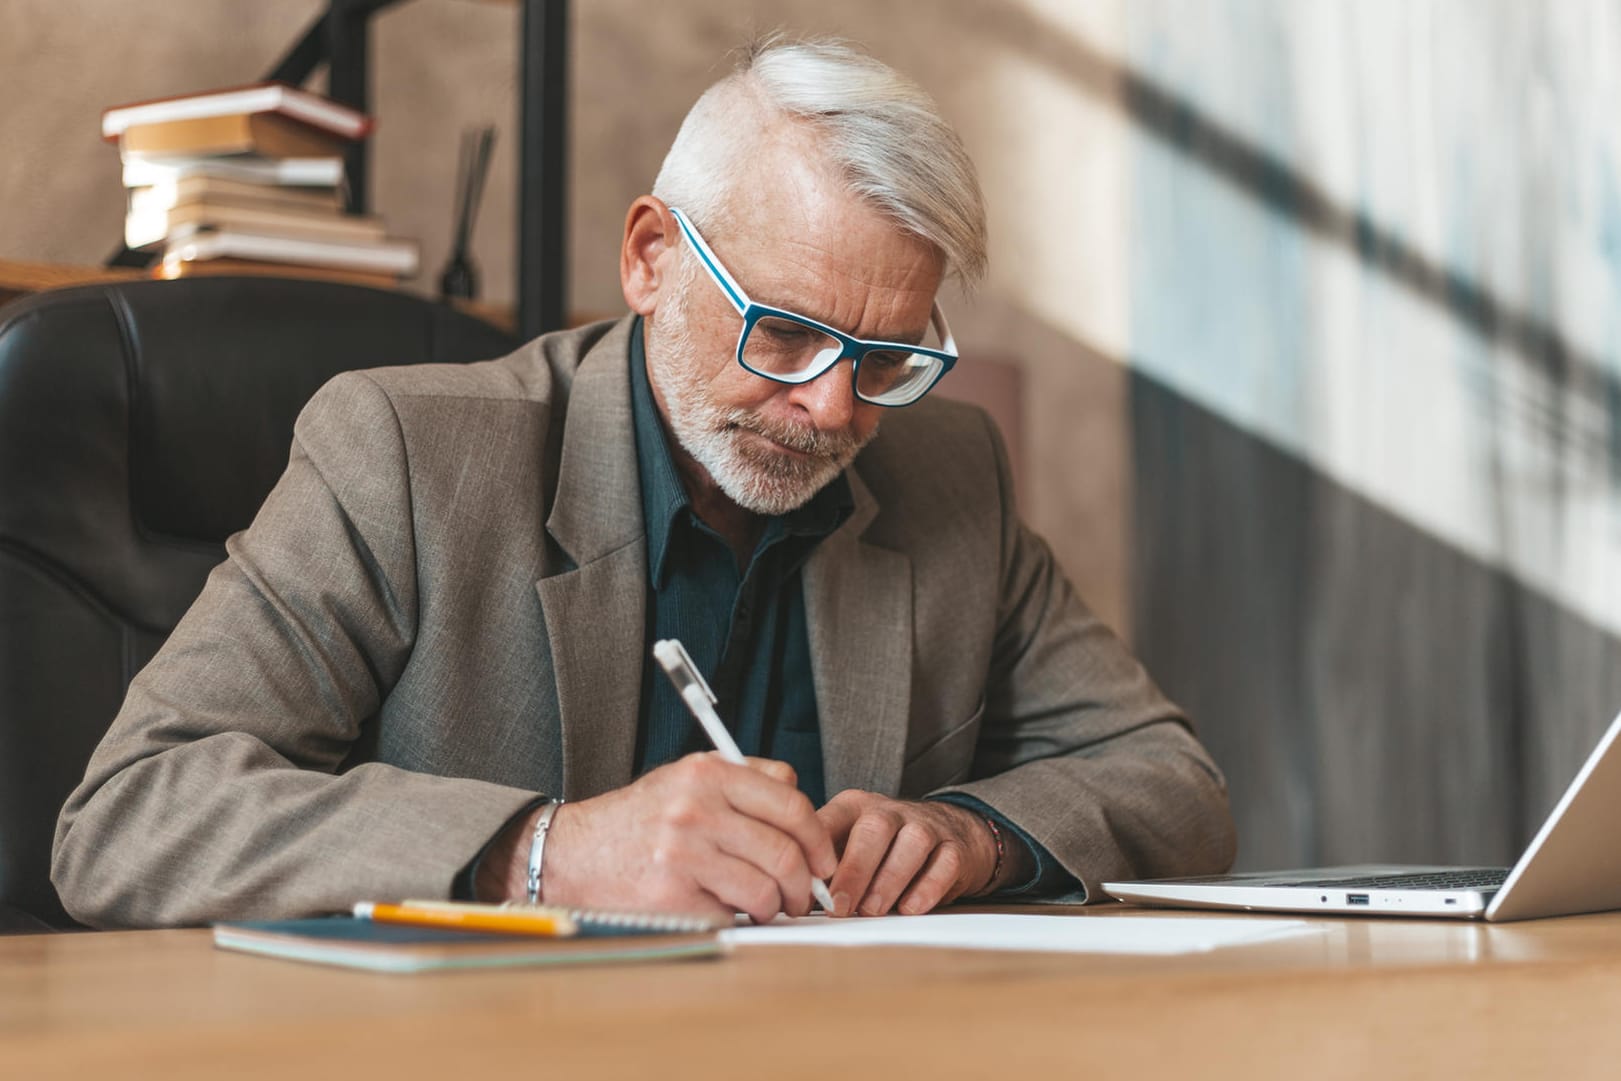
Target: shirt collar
664 500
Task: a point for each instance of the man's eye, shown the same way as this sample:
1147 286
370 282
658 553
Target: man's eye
788 332
885 360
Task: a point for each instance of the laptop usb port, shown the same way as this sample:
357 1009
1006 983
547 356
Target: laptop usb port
1356 898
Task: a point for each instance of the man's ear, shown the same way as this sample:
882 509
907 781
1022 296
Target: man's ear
646 257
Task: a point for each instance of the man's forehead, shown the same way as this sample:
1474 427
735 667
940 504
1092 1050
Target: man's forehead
791 193
856 287
818 250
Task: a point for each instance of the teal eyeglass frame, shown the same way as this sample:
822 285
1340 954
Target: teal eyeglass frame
854 348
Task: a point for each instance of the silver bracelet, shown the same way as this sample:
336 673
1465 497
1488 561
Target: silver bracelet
537 848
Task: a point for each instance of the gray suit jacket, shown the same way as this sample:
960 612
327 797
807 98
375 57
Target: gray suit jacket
439 612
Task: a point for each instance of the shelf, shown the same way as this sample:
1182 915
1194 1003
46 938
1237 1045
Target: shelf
20 279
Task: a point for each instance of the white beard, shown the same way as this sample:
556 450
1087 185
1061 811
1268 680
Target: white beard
755 477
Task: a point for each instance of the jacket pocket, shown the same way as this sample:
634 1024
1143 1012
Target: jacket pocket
947 760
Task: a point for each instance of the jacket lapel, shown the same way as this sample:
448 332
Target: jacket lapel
595 610
858 607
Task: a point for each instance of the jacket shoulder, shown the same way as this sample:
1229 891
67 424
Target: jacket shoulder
539 371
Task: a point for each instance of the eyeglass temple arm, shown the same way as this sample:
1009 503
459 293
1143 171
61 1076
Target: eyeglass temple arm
734 292
948 344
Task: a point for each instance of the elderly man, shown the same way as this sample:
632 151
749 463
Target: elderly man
424 669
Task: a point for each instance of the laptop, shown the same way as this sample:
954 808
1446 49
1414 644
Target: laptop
1571 866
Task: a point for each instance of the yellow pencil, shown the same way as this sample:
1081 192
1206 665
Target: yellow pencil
512 921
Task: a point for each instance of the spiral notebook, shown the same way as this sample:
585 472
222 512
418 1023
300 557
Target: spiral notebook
351 942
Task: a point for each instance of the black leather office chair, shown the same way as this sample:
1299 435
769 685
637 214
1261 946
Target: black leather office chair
140 425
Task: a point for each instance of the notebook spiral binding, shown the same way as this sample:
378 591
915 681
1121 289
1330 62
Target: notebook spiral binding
646 921
618 920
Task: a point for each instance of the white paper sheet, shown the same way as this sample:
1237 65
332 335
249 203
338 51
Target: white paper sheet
1049 934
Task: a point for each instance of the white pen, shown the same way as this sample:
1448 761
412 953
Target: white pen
694 691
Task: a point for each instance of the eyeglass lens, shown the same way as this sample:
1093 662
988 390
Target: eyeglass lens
784 349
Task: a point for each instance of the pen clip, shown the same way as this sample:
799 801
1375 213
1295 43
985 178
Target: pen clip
678 664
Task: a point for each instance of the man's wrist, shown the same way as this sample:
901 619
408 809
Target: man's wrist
995 881
535 868
976 834
1018 863
503 871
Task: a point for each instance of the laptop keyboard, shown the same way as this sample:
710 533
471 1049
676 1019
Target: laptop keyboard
1472 878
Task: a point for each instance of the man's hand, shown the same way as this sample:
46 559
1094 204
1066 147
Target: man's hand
920 855
697 835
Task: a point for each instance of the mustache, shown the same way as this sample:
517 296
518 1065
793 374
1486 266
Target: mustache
833 446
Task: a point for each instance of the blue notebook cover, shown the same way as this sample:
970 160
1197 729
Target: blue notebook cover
383 947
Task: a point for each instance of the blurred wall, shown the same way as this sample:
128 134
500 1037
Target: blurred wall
1315 305
1374 345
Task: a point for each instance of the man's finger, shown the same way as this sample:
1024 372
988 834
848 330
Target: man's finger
936 883
864 849
772 852
911 848
752 793
777 771
706 904
739 885
840 813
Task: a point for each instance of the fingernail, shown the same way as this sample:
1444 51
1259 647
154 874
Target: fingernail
841 904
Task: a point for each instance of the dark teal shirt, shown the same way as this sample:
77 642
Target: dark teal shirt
744 627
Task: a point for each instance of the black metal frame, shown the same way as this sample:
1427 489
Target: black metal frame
543 169
340 38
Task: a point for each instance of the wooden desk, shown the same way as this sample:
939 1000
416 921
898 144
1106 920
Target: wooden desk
1363 999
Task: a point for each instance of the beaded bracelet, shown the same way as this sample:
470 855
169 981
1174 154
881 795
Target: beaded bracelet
1001 853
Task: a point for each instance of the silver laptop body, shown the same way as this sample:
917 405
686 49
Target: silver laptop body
1572 865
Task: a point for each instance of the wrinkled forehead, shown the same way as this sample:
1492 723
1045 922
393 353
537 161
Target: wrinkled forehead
786 189
795 237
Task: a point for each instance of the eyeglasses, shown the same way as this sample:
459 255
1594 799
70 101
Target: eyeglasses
789 348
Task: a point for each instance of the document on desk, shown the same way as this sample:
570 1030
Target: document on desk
1046 934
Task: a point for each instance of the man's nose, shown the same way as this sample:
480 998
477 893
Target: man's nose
829 398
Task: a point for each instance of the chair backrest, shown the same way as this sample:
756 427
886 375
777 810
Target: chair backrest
140 425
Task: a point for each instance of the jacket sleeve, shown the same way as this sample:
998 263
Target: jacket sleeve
1077 746
221 788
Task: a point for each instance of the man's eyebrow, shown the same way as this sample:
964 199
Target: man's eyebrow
909 337
906 338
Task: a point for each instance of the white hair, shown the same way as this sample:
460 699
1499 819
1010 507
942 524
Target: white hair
882 134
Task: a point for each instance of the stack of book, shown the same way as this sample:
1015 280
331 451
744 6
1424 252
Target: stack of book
249 180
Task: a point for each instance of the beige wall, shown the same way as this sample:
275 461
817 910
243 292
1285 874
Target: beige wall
1048 141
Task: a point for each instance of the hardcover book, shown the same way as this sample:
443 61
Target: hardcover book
168 193
146 226
265 135
266 98
141 171
383 257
